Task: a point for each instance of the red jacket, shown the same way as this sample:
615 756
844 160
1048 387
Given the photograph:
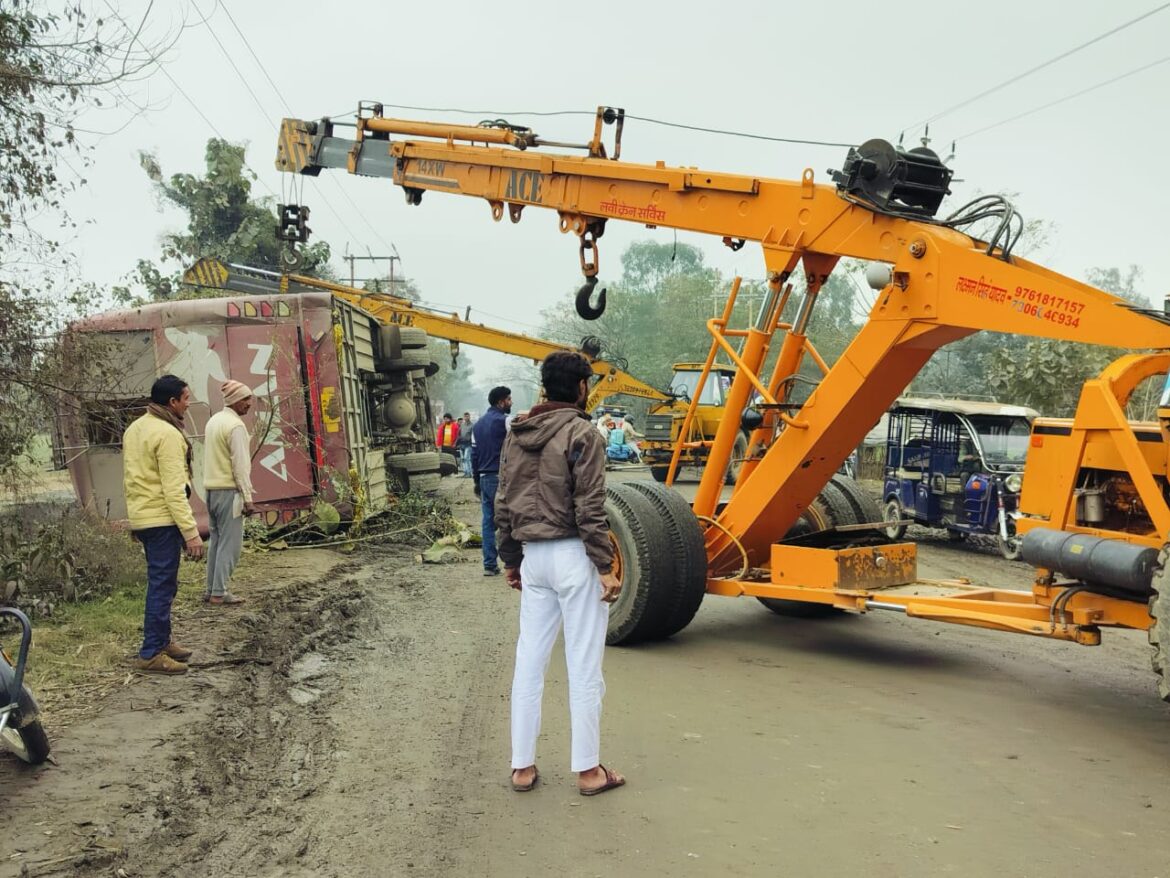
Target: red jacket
448 434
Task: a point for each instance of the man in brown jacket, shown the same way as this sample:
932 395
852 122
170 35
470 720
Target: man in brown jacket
554 541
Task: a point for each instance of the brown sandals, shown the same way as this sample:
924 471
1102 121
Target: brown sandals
612 781
524 788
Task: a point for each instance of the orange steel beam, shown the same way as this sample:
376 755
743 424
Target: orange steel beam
689 419
944 284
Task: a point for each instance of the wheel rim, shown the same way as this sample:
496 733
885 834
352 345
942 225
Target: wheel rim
894 513
12 740
618 569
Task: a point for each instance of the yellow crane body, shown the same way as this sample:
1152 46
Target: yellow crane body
936 284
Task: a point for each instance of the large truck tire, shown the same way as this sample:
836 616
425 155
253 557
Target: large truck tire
689 583
660 473
415 461
424 483
448 463
1159 630
412 338
410 359
738 452
644 564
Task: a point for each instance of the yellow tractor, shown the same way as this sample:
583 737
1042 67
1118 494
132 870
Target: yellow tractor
666 422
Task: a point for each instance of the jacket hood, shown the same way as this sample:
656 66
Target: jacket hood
535 430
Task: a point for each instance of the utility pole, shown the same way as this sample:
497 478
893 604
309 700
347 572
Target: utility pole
353 281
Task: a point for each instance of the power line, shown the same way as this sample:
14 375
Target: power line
256 58
743 134
260 106
1062 100
1041 66
182 91
663 122
288 109
230 60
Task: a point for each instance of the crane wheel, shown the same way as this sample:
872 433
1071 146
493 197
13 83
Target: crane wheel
841 502
660 472
644 564
738 452
689 552
865 507
1159 631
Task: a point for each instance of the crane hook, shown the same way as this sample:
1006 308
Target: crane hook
585 308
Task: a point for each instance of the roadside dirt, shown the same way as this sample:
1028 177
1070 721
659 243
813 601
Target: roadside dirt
365 732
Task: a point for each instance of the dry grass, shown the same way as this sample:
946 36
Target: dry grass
85 650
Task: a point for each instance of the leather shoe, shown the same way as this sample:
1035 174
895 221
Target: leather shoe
160 664
178 653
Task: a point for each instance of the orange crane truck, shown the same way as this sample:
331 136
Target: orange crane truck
792 534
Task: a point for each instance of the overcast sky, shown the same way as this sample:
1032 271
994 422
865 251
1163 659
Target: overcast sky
837 71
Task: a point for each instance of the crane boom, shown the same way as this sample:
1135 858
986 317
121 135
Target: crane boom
391 309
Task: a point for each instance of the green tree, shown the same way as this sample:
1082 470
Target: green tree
56 63
1048 374
224 221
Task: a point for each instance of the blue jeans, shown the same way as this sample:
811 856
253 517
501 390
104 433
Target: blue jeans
465 459
488 482
163 547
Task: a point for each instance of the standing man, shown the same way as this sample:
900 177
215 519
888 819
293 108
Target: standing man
554 540
489 434
463 445
448 435
227 476
156 475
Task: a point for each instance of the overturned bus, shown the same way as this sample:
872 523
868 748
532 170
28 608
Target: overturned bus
342 416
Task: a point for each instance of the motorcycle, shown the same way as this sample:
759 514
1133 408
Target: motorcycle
21 732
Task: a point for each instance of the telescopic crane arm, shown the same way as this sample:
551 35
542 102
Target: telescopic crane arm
937 283
387 308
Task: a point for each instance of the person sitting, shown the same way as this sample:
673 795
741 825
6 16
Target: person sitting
618 449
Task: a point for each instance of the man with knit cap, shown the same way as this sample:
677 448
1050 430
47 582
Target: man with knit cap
156 472
227 476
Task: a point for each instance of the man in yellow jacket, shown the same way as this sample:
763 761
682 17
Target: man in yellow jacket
156 469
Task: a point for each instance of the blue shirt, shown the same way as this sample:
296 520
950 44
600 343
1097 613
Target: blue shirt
489 432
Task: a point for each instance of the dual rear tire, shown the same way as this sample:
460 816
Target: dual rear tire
660 558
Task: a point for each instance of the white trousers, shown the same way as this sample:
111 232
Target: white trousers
560 585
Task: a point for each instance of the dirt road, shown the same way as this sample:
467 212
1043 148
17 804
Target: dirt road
364 732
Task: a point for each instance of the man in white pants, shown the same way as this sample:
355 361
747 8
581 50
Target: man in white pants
553 538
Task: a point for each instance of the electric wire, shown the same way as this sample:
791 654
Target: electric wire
497 114
263 111
194 106
1066 98
1014 79
288 109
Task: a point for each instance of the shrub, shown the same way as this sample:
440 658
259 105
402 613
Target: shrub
52 553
